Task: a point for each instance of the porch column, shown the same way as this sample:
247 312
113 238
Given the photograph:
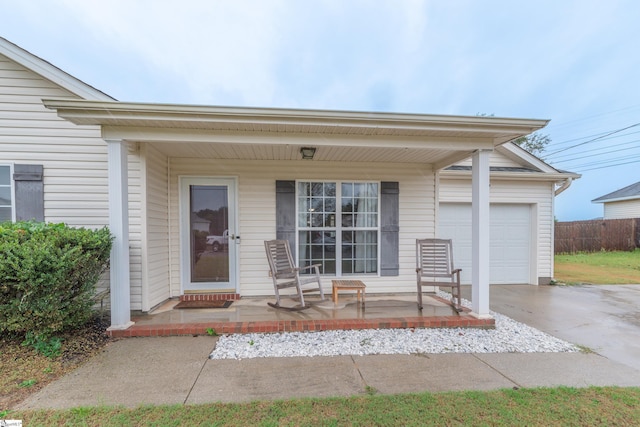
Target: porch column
117 151
480 234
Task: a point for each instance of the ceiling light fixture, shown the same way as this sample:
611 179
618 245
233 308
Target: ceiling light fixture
308 153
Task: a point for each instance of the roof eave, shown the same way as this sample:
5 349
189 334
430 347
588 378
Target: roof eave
617 199
518 176
109 113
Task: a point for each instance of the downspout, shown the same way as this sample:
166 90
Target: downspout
566 184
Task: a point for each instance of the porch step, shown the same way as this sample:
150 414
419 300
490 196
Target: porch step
210 297
157 330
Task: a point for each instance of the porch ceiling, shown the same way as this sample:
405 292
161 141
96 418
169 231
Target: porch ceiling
278 134
292 152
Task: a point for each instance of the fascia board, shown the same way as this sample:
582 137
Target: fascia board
172 135
100 112
515 176
618 199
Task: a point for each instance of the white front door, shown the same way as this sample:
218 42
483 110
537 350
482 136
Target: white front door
208 234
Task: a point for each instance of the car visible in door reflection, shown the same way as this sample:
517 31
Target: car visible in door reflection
218 242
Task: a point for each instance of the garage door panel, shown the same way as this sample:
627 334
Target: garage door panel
510 240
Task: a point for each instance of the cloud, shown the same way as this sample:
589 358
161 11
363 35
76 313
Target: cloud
214 50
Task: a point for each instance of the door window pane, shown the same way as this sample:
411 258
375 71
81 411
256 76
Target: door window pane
209 226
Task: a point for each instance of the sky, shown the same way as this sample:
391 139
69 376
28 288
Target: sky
576 63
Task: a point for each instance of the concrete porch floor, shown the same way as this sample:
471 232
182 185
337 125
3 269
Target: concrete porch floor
252 314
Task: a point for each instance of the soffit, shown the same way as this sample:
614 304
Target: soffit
292 152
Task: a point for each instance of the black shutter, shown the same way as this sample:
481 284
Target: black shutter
286 212
29 192
389 228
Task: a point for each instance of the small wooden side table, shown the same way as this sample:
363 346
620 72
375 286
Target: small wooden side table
352 285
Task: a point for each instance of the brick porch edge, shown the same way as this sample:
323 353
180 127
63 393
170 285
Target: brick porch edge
301 325
464 320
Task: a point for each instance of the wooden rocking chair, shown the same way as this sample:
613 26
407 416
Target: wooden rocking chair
434 267
286 275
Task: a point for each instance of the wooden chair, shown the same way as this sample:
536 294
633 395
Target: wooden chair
434 267
286 275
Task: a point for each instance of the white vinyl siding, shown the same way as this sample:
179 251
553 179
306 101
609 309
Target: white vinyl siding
256 212
155 268
496 159
74 159
622 209
135 227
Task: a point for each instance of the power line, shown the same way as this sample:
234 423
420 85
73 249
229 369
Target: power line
594 139
600 162
608 166
598 154
591 136
553 126
596 149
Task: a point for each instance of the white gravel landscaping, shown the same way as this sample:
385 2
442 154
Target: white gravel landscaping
508 336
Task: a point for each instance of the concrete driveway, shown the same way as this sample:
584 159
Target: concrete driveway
604 318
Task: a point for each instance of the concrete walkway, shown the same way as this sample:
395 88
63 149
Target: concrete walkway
176 370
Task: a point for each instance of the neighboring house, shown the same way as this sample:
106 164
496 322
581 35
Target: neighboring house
622 203
375 183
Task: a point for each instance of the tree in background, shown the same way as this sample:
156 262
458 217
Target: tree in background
534 143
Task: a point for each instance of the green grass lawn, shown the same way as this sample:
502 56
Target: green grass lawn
532 407
598 268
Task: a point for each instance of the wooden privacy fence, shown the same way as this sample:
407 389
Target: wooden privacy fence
597 235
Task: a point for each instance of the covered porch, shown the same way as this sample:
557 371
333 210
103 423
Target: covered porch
157 152
249 315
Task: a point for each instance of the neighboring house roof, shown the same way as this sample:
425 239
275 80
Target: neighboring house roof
51 72
629 192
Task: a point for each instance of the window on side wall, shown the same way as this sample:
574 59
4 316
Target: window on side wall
6 194
338 226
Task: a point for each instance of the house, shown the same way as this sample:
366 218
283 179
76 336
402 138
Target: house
350 190
622 203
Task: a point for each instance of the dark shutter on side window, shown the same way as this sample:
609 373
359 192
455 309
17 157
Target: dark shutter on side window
389 228
286 212
29 192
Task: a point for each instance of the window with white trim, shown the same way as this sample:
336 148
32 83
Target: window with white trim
6 197
338 226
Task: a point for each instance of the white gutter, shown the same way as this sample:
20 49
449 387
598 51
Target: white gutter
566 184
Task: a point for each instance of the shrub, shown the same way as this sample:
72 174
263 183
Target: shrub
48 274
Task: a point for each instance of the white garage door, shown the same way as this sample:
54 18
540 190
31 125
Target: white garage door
510 240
